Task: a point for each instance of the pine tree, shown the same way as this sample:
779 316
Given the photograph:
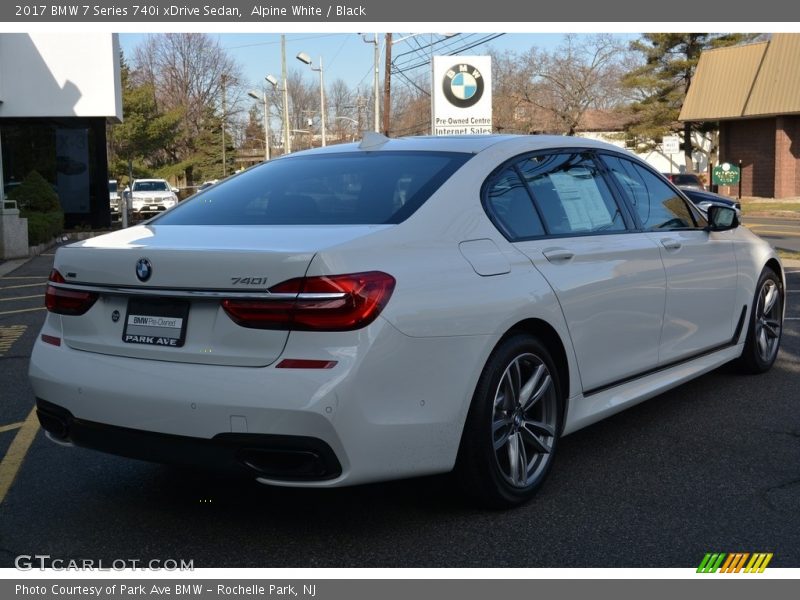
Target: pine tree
146 133
662 82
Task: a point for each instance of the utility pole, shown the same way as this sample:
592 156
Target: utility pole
322 99
375 86
359 110
287 144
387 86
224 110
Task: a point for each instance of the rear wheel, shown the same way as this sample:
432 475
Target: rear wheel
766 325
513 425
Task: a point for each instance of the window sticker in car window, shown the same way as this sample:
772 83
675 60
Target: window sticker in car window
582 201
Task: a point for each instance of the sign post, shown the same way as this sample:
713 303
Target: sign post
461 100
670 144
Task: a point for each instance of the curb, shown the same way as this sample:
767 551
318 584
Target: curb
13 265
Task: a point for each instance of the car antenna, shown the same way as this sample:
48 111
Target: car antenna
371 140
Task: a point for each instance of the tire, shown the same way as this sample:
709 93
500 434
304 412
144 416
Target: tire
765 327
513 424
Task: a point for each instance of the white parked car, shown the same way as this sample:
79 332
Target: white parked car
401 307
152 195
113 196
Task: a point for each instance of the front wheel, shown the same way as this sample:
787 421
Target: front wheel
766 325
513 425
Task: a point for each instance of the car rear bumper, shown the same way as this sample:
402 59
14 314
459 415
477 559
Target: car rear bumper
290 458
377 423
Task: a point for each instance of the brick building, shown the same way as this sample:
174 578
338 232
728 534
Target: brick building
753 91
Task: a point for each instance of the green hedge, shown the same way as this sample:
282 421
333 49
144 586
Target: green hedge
43 227
38 203
35 194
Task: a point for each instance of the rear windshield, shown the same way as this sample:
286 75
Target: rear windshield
336 189
112 186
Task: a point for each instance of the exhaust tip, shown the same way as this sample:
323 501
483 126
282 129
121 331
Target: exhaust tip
284 464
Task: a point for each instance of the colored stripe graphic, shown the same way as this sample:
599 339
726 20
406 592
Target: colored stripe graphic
734 562
758 563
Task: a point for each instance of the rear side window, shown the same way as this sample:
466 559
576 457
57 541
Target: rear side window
571 194
657 204
510 203
336 189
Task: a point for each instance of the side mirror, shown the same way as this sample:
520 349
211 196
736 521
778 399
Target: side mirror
721 218
174 190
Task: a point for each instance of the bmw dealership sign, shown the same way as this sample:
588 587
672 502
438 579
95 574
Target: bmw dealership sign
462 95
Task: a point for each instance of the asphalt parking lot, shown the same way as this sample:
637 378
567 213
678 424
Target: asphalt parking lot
711 466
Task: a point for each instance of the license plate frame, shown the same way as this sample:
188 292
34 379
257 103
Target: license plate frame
158 322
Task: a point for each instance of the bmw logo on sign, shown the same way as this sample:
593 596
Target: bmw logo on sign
143 269
463 85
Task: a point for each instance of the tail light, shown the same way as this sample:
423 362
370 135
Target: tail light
64 301
328 303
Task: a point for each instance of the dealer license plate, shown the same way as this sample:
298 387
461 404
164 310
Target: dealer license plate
157 322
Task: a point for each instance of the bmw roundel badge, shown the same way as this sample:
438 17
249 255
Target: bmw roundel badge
143 269
463 85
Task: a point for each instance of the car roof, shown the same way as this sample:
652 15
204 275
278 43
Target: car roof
472 144
704 194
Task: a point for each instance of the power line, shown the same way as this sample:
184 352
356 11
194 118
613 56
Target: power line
271 43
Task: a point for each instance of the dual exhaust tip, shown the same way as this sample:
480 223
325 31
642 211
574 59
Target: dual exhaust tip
265 457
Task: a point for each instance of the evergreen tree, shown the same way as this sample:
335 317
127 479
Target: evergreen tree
662 82
146 133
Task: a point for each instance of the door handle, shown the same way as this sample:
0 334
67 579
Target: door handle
558 255
671 244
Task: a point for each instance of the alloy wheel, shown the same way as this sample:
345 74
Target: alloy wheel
524 419
768 321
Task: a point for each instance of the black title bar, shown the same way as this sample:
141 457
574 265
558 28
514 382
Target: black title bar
419 11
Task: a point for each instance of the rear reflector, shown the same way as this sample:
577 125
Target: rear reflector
51 339
299 363
67 302
328 303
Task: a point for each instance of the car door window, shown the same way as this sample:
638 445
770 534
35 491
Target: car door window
571 194
510 205
659 207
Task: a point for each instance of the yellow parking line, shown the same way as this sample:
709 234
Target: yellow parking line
22 310
21 298
12 427
16 287
9 335
12 461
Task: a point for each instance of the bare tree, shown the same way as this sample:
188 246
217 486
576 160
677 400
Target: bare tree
551 91
341 102
193 73
411 108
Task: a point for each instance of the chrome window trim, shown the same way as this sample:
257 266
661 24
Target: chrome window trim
190 294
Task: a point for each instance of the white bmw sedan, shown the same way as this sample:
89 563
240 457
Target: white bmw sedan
397 308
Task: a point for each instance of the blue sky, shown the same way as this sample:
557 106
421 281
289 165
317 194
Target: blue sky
345 55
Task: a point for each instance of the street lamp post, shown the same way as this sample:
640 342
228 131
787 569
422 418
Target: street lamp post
270 79
305 58
376 77
263 97
353 121
287 144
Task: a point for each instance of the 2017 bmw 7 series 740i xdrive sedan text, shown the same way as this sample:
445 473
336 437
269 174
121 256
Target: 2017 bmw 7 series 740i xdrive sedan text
400 307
